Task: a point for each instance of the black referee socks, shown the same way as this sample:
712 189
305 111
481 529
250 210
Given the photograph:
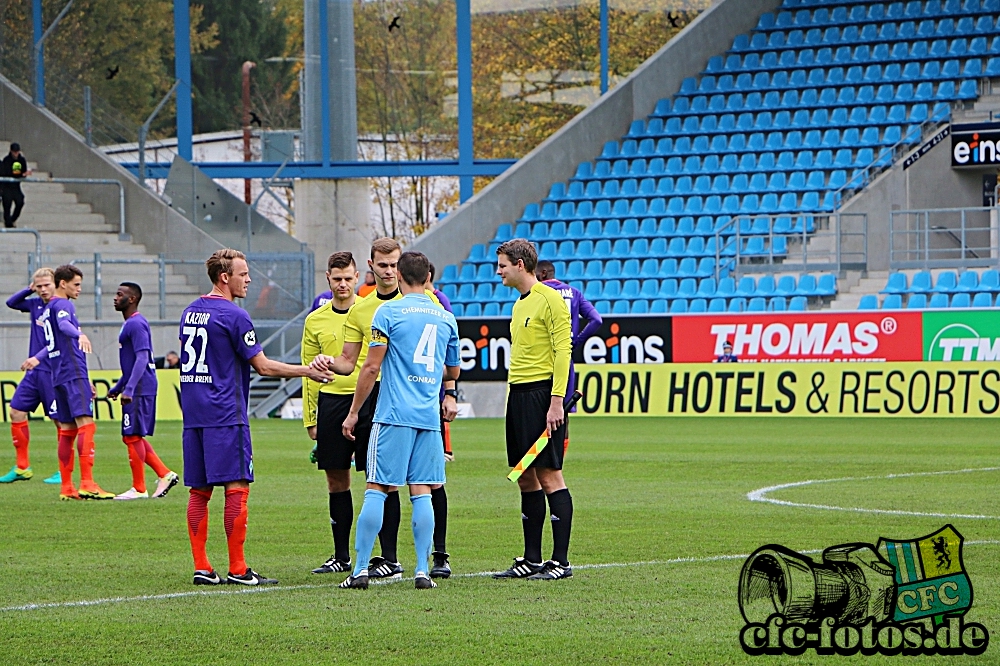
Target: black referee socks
439 499
389 534
561 508
341 519
532 522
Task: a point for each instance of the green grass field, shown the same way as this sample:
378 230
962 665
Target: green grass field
648 493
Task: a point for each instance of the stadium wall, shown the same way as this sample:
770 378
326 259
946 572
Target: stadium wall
57 148
581 139
930 182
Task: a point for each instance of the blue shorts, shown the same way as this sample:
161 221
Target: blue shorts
398 455
73 400
214 456
139 416
35 389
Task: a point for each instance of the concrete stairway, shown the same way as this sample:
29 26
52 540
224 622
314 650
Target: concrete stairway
72 232
850 295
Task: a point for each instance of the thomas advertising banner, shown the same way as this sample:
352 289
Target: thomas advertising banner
168 403
791 389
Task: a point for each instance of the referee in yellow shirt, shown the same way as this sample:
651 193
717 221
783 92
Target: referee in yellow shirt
541 345
325 406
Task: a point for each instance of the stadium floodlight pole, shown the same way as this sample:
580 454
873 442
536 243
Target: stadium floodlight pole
542 442
466 148
604 46
40 43
182 72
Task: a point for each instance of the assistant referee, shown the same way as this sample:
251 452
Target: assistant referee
541 346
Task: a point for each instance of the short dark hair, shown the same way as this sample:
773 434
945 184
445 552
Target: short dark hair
413 268
340 260
430 269
66 273
135 289
384 246
546 265
520 249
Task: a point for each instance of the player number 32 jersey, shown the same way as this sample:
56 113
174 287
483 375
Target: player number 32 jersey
422 339
217 342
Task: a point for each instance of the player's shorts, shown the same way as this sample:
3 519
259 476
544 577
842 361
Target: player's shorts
35 389
363 428
73 400
139 416
527 407
398 455
333 450
214 456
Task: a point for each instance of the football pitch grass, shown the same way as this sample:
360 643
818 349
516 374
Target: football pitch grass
662 526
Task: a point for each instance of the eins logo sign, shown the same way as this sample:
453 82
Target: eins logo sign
484 353
975 150
624 349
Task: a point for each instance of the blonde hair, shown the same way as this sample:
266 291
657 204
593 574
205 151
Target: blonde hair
221 262
385 246
45 271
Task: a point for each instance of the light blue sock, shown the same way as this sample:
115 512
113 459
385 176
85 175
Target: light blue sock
423 529
367 527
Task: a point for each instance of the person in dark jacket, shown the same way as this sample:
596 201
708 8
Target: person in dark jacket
14 165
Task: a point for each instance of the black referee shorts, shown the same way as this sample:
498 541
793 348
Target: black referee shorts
333 450
527 407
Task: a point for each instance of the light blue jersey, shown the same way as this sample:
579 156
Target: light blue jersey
422 339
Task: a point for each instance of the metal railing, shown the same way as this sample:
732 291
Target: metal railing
161 262
34 258
944 238
285 387
839 242
85 181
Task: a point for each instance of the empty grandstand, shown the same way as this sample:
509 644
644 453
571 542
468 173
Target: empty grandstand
730 196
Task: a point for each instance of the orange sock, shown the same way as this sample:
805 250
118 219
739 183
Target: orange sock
154 461
197 515
136 460
236 528
66 438
85 445
19 433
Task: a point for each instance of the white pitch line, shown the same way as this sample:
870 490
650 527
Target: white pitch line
761 495
288 588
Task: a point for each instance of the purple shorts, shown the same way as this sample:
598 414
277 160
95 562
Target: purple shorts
35 389
73 399
214 456
139 416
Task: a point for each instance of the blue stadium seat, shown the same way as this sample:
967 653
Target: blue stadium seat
687 288
603 307
757 304
990 281
491 310
921 283
698 305
962 300
747 287
917 301
798 304
827 285
892 302
658 306
968 282
473 310
939 300
868 302
668 289
982 300
947 282
896 284
678 306
717 305
777 304
737 305
620 307
458 309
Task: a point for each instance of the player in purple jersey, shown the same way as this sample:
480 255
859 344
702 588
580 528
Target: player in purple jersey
219 345
579 307
322 299
36 386
72 409
137 389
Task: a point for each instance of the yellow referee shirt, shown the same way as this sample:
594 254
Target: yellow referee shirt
358 327
323 333
541 341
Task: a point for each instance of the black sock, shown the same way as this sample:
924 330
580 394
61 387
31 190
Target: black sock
532 522
439 500
561 508
389 533
341 519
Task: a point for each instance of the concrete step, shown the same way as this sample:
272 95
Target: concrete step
49 207
31 219
45 190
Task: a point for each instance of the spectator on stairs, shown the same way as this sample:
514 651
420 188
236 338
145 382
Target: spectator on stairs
14 165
